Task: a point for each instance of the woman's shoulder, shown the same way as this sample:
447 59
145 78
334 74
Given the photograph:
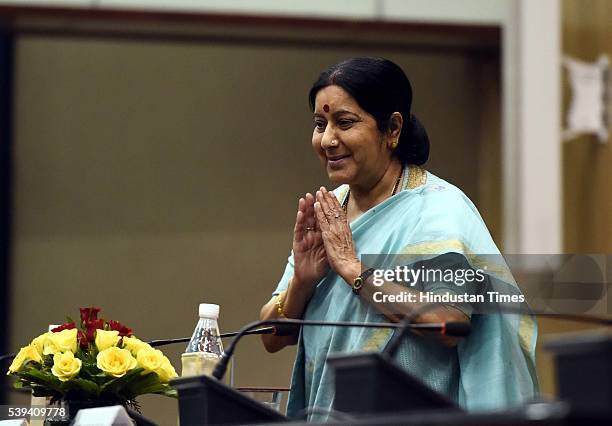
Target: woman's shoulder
445 211
436 187
445 198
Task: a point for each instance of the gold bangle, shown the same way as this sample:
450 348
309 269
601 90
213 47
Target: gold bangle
279 305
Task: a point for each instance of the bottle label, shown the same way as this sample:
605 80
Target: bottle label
206 340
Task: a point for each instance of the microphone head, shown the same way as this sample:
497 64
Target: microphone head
457 328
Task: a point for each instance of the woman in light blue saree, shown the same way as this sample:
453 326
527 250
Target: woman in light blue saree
386 204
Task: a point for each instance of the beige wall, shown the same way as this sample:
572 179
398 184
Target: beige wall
151 177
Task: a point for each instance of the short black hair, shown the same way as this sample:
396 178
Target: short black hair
381 88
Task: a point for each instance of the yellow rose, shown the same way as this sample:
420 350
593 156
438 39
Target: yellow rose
106 339
27 353
115 361
166 372
134 345
65 340
150 359
65 366
39 342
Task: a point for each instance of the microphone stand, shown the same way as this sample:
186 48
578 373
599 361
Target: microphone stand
206 400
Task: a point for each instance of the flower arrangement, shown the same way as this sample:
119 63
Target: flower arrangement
99 361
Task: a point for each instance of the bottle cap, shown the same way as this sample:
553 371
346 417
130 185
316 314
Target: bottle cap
209 310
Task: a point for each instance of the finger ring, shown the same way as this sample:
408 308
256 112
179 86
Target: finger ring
309 228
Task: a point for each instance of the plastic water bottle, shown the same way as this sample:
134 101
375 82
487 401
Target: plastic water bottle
205 347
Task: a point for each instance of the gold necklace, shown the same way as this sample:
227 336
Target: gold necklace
348 194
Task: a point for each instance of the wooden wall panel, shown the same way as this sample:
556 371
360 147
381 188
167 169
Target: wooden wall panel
587 166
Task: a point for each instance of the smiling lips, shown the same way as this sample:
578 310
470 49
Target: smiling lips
336 161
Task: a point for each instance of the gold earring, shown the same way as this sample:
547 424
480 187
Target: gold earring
394 144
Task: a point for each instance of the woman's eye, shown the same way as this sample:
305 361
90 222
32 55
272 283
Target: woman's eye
320 125
345 123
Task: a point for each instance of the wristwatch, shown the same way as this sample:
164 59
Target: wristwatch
358 282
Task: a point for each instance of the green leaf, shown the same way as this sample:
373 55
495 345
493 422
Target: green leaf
149 383
115 385
85 385
90 371
44 378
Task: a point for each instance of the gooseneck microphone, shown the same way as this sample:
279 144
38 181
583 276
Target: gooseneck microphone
286 327
164 342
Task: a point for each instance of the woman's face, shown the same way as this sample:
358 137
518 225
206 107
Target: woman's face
347 140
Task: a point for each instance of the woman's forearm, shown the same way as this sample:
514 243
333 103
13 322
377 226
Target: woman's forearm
424 312
271 342
396 311
294 301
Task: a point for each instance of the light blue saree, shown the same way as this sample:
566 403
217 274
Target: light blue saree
492 368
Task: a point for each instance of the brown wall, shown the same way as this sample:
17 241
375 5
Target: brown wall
152 176
587 174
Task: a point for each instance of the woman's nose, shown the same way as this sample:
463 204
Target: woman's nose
329 140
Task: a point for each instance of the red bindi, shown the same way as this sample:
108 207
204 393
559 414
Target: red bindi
326 108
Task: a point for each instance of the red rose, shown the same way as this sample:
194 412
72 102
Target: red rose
89 314
122 329
64 326
83 342
92 326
